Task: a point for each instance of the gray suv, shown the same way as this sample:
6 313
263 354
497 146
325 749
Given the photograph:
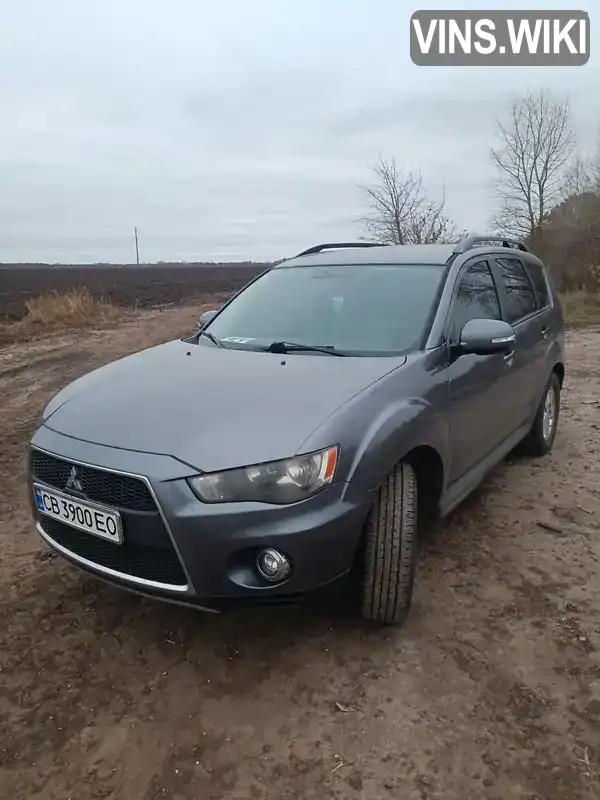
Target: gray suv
308 429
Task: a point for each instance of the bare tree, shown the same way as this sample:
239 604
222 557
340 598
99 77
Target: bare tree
583 174
536 144
572 231
401 211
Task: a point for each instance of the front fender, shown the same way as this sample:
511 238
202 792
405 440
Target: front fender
408 408
400 428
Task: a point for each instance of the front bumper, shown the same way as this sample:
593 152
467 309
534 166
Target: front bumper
201 554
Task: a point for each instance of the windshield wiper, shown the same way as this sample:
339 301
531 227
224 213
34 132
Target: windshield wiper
294 347
210 336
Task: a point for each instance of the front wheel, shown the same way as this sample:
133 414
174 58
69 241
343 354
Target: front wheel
540 438
391 548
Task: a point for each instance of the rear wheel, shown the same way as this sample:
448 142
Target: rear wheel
540 438
391 548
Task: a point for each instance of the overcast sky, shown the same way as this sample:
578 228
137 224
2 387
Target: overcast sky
237 129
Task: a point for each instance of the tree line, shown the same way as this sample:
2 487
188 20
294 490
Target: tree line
547 193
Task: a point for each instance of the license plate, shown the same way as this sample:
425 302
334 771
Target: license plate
88 517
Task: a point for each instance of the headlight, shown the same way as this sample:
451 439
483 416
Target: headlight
277 482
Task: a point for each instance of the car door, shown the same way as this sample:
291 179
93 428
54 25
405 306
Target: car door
547 322
520 308
477 384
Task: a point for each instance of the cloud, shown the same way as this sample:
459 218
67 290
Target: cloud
233 131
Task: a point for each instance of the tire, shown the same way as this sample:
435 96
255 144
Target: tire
540 438
391 549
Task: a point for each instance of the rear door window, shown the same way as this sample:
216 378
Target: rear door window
520 296
540 286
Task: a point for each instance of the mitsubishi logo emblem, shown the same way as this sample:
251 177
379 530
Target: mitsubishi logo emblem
74 483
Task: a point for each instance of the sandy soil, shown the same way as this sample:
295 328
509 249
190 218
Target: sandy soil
491 690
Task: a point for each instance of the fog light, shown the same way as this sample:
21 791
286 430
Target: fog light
272 565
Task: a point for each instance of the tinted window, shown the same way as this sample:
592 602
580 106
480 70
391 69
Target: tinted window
361 309
538 279
476 298
519 292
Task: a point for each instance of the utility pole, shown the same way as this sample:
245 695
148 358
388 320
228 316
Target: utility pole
137 246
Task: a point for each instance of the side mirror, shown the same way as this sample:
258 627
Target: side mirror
484 337
206 318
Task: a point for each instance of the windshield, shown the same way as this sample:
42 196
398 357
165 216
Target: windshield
361 309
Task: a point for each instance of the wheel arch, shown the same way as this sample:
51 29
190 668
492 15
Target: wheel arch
559 370
429 469
430 474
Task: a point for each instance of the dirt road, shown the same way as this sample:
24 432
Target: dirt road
491 690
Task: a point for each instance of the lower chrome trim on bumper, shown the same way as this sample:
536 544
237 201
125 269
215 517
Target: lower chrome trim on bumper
133 579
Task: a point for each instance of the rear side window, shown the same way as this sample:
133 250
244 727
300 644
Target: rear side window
476 298
520 296
540 287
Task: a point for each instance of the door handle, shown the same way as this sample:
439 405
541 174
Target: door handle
545 331
510 357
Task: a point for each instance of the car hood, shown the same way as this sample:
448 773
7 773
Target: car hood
210 407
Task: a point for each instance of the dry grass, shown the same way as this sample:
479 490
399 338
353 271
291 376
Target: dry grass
581 308
73 309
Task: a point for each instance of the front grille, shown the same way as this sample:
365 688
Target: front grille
147 551
150 562
120 491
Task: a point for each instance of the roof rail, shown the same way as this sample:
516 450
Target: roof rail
320 247
469 242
